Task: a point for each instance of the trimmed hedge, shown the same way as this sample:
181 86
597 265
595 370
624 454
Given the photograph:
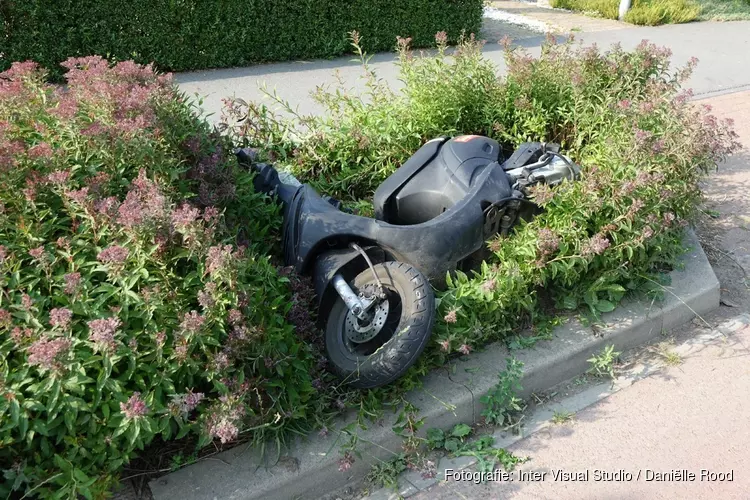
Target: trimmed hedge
180 35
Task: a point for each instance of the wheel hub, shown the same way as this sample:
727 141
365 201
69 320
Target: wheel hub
359 331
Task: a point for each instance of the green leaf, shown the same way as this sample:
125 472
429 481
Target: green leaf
23 425
570 302
15 410
605 306
451 445
436 436
62 464
70 419
461 430
54 395
590 298
40 427
135 431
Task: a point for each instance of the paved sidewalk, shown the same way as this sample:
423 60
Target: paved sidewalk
722 49
691 417
565 21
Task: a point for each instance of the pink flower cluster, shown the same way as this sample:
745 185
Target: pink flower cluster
46 353
225 418
548 241
489 285
72 282
346 462
103 332
20 335
59 177
135 407
221 258
184 216
220 361
542 194
144 203
183 404
451 316
127 89
5 319
79 196
234 317
192 323
596 245
60 317
37 252
107 206
114 255
206 296
41 151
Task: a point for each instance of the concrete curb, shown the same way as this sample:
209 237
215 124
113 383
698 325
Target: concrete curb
450 395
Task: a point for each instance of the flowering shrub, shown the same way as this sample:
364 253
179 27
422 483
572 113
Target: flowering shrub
621 115
136 298
353 148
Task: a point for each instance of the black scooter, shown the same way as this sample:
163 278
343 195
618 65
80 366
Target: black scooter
373 277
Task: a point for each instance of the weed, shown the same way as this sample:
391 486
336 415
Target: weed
489 457
502 405
179 460
562 417
580 380
456 442
665 351
385 473
450 441
603 364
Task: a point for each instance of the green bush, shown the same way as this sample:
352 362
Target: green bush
607 9
179 35
642 12
364 138
656 12
127 309
642 144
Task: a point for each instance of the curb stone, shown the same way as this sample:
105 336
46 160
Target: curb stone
447 397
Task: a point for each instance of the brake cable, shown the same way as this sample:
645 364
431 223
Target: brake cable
372 268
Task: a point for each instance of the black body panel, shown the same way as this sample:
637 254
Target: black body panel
433 231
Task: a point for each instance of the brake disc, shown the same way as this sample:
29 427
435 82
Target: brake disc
359 331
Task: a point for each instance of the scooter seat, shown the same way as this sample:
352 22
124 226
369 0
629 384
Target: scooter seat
434 179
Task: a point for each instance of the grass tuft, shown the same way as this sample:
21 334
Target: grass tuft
643 12
724 10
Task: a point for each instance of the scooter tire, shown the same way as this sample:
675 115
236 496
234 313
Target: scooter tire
396 355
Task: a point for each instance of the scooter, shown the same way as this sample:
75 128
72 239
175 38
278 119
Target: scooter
374 277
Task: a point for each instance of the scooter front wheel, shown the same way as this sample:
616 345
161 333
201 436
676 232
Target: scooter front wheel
379 350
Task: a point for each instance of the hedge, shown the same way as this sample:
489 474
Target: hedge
181 35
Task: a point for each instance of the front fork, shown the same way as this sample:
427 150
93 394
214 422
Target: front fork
359 306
